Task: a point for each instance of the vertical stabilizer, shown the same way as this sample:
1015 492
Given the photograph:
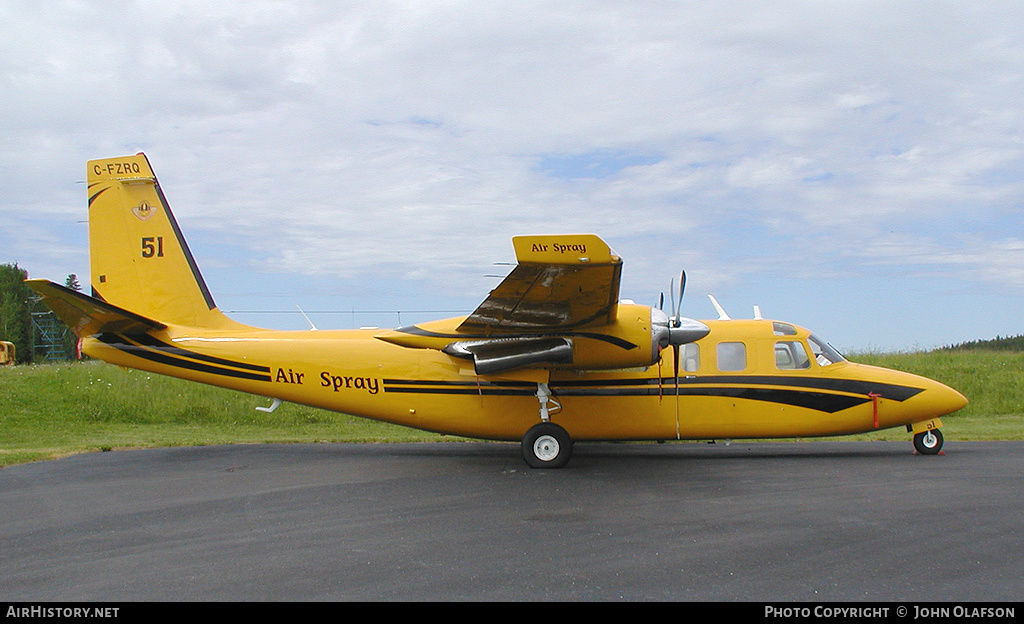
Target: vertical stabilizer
140 261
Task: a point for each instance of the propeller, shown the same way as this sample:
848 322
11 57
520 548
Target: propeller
674 323
680 330
676 330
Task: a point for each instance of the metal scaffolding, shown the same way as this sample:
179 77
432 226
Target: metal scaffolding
50 342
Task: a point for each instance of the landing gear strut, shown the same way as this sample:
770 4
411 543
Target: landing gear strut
928 442
546 445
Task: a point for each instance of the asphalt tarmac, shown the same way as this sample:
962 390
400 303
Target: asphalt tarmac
808 521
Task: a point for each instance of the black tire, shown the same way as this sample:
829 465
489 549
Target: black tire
928 442
547 445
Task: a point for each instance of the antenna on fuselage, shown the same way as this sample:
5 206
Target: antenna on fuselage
312 327
722 315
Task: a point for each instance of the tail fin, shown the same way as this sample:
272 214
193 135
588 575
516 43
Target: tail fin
140 261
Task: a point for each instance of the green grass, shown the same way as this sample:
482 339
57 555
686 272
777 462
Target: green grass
50 411
53 410
993 382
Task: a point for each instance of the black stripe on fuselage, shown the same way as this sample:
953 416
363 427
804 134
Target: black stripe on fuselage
163 347
850 386
808 392
149 348
490 388
821 401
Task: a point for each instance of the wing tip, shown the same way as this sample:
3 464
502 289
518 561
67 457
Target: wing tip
563 249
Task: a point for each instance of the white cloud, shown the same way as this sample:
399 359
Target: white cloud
379 138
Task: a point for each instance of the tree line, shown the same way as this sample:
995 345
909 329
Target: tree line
999 343
37 334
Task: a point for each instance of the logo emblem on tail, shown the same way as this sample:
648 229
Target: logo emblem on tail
143 211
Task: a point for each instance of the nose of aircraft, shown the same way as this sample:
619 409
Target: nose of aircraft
955 400
937 399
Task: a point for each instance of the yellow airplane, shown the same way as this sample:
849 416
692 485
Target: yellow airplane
550 357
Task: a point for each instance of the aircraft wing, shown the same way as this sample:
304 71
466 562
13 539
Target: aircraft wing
562 290
87 315
561 282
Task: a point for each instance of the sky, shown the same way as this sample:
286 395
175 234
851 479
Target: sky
852 166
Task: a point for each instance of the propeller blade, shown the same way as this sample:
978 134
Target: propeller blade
682 289
675 364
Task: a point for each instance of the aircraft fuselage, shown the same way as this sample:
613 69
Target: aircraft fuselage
766 395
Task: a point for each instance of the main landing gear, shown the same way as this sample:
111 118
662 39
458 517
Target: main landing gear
928 442
546 445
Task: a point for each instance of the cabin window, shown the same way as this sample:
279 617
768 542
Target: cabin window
791 355
824 353
691 358
783 329
732 356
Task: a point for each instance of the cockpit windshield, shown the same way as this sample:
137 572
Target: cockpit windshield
824 353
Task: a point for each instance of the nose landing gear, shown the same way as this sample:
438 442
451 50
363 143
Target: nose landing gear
928 442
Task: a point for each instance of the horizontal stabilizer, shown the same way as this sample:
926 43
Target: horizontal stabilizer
87 316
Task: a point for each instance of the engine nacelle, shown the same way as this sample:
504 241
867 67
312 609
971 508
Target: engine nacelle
635 339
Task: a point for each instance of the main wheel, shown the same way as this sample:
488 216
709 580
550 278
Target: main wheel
547 445
928 442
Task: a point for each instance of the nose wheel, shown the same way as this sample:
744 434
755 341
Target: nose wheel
928 442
